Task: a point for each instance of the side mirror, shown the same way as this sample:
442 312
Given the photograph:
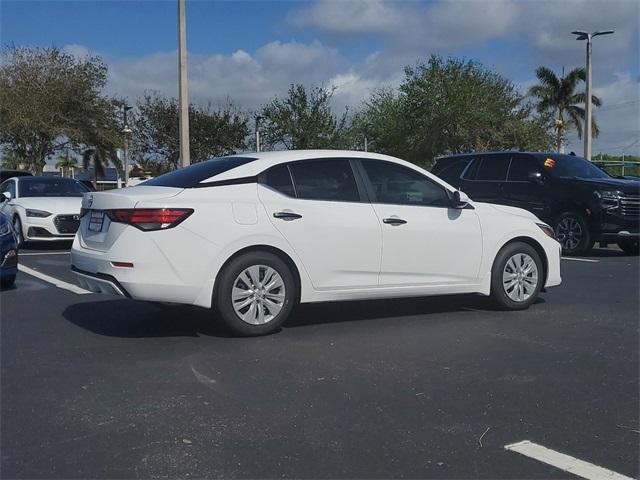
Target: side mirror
536 177
459 199
6 196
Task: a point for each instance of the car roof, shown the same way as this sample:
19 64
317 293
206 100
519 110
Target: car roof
476 154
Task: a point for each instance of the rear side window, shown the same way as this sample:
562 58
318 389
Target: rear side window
331 180
279 179
191 176
493 169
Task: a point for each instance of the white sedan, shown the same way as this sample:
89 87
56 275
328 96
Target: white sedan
253 235
42 208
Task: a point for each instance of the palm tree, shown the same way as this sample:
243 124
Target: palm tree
66 162
558 96
97 158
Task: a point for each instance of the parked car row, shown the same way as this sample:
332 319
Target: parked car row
582 202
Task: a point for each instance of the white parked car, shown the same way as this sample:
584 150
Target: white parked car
43 208
253 235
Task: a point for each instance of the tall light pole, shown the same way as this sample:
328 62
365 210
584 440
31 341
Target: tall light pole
185 157
258 119
587 101
126 131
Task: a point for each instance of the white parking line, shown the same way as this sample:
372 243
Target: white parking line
564 462
53 281
42 253
581 259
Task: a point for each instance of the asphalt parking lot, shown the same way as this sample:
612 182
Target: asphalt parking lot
95 386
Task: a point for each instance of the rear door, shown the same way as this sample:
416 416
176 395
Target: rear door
321 211
485 178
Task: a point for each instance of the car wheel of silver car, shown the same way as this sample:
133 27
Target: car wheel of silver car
517 276
255 294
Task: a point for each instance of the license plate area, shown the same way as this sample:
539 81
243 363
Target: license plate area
96 221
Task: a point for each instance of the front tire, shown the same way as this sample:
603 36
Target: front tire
255 294
630 246
517 276
17 229
572 231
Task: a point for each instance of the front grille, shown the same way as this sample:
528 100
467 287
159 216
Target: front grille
67 223
630 205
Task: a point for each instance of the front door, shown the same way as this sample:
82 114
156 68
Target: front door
523 192
425 242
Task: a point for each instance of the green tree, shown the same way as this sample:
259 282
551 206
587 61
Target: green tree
46 98
558 96
451 106
12 161
66 162
212 132
303 120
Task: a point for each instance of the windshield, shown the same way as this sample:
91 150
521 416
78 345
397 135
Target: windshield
570 166
50 187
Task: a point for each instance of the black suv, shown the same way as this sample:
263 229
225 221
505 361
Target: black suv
583 203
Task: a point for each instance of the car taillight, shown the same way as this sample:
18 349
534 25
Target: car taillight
149 219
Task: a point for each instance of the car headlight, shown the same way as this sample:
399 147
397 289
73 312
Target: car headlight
37 213
609 199
547 229
5 229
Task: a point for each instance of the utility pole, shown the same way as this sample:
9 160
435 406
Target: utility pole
126 131
258 119
185 157
587 101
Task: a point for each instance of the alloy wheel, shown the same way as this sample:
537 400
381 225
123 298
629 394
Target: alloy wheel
520 277
569 233
258 294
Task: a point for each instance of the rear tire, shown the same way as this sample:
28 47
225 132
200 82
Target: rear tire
572 231
255 294
630 246
517 276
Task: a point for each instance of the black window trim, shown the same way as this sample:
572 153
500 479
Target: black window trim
371 191
362 193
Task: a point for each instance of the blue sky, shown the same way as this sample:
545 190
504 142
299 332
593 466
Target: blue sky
247 51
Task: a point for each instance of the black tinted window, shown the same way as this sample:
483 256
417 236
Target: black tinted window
493 168
451 173
400 185
325 180
191 176
521 167
279 179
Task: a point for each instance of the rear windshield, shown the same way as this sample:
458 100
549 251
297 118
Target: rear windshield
50 187
191 176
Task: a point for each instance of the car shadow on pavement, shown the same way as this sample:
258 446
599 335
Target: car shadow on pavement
608 252
132 319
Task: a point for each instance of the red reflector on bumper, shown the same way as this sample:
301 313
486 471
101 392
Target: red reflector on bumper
122 264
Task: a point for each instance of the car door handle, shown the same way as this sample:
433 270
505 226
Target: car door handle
288 216
394 221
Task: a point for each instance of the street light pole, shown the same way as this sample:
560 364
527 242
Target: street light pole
258 118
126 131
587 101
185 157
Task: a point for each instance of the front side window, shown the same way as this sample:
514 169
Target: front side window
279 179
51 187
330 179
9 186
493 169
521 167
400 185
